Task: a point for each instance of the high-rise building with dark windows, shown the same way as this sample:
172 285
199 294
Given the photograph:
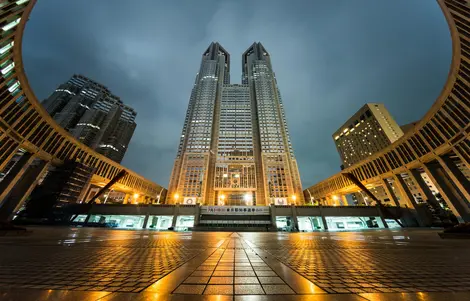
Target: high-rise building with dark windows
92 114
235 147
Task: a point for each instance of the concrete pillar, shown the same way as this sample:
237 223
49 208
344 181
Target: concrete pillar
14 175
197 215
406 194
323 219
126 198
391 193
175 215
425 190
272 210
146 220
456 175
449 191
343 200
22 189
381 215
294 217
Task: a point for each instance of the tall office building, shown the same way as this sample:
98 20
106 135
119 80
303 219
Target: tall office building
235 147
369 130
92 114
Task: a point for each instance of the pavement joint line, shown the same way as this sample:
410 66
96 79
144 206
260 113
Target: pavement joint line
171 281
337 263
296 281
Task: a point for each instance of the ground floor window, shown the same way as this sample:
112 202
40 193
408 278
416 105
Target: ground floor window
284 223
310 223
159 222
119 221
353 222
80 218
392 223
184 222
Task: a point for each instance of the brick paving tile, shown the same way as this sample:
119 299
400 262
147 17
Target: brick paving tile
248 289
277 289
190 289
219 290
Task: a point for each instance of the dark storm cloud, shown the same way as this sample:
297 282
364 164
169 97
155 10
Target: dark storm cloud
330 57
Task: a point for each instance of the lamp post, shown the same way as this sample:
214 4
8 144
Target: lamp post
176 197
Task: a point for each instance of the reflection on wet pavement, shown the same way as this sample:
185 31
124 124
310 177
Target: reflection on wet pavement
89 264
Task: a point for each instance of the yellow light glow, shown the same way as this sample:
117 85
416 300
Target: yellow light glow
176 196
294 197
225 175
335 197
136 195
222 197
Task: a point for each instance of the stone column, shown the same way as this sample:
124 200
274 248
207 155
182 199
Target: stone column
449 191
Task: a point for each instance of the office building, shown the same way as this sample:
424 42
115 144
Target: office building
369 130
235 147
93 115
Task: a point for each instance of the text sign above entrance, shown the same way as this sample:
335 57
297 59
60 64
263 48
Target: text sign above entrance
235 210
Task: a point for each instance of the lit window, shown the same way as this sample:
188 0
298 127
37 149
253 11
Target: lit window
11 24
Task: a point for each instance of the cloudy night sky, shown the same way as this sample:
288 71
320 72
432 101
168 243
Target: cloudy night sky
330 57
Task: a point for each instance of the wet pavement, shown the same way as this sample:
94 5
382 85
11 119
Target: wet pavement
105 264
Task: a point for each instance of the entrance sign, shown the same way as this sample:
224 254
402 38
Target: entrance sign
189 201
235 210
280 201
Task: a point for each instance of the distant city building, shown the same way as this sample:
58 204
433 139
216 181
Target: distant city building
235 147
92 114
369 130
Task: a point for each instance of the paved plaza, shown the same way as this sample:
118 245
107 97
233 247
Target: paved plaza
115 265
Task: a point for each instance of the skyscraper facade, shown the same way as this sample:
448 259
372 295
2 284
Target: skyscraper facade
235 147
92 114
369 130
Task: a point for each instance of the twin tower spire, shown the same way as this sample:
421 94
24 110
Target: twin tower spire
256 51
235 148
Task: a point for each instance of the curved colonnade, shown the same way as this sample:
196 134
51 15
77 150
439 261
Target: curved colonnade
26 126
438 145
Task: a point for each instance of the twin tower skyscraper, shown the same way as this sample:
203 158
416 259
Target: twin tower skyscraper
235 147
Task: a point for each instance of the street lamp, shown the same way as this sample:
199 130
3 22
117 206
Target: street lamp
248 198
222 197
136 196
